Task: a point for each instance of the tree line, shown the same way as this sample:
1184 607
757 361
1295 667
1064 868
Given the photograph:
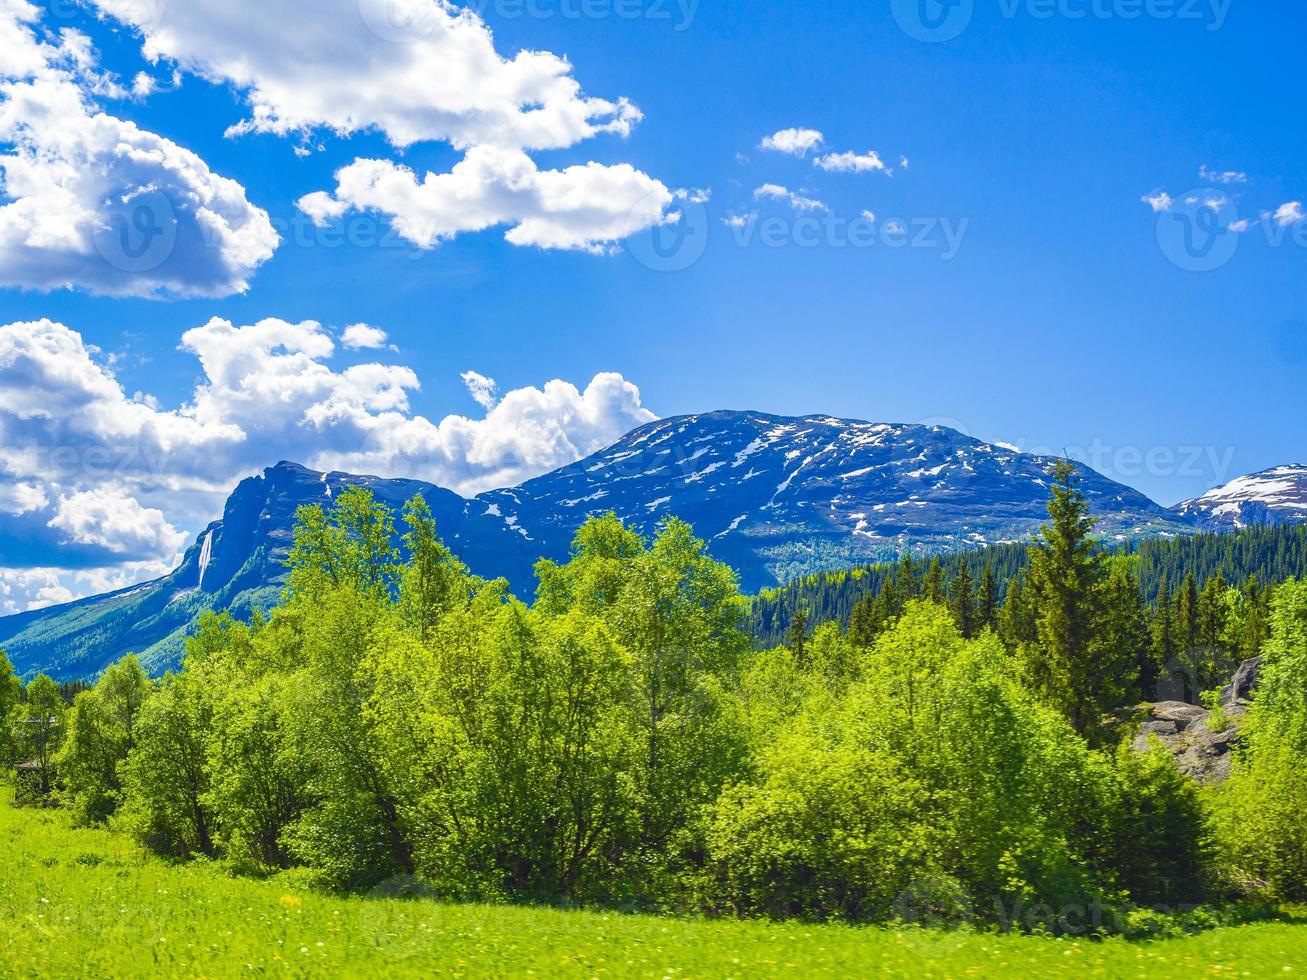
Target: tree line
1179 633
1271 554
621 742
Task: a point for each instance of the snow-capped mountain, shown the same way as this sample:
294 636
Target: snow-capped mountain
1274 496
780 497
775 497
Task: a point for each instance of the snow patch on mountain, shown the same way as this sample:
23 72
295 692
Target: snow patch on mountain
1274 496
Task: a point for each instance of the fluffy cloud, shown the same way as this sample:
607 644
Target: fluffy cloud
412 70
24 589
94 201
796 142
483 390
852 163
776 192
800 142
417 70
1159 201
104 480
1289 214
361 336
109 519
18 499
1222 176
582 207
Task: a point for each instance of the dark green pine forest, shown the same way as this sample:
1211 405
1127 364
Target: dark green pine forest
1209 590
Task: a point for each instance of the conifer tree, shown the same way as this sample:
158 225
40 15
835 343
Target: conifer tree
932 586
862 622
1122 643
1163 634
797 635
1066 572
1016 620
905 578
987 601
962 602
1257 619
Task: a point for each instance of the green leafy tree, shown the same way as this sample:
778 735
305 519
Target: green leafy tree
677 613
100 733
11 692
1261 813
38 730
166 776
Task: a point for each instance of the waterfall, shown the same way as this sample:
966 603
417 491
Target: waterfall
206 551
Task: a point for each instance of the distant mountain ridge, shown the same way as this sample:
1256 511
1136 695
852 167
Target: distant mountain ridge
775 497
1274 496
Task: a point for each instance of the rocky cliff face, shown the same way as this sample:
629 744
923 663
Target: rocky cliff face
1202 748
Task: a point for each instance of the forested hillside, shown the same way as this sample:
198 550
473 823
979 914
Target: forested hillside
1270 554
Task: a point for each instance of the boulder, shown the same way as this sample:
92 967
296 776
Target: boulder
1185 732
1243 686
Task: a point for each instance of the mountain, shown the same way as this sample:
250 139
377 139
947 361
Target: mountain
1274 496
235 563
775 497
781 497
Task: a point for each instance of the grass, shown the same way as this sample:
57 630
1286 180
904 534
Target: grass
79 902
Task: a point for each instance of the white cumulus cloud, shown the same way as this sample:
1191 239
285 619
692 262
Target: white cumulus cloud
483 390
92 478
1222 176
1159 201
1289 214
108 518
93 201
796 142
851 163
776 192
584 207
363 336
413 70
416 71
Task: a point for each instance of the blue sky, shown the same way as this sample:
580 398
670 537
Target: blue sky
1041 305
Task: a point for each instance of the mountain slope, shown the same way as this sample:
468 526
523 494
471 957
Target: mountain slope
779 497
775 497
235 563
1274 496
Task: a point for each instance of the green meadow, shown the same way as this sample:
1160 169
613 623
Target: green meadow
79 902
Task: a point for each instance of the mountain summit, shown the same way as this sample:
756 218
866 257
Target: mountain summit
775 497
1274 496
